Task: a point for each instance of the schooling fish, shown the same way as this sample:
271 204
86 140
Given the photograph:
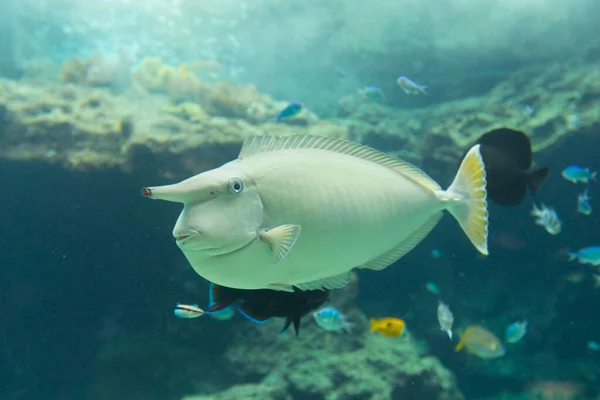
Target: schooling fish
304 211
589 255
481 342
507 157
260 306
340 72
188 311
583 204
332 320
371 92
516 331
547 218
577 174
388 327
592 345
409 87
445 318
290 111
432 288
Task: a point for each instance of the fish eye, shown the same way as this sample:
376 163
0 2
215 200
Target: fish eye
235 186
389 324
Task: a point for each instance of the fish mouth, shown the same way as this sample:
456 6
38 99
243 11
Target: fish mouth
184 237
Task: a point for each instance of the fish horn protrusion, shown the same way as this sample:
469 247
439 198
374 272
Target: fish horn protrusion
177 193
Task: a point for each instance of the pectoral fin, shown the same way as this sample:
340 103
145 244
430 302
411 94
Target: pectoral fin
281 239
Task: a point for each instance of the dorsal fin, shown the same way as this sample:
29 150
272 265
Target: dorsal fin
265 144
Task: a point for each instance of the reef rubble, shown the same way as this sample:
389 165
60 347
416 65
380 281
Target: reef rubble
328 366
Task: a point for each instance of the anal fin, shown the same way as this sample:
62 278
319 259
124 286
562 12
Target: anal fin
281 287
407 245
333 282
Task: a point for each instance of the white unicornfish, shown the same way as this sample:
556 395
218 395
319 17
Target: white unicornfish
305 210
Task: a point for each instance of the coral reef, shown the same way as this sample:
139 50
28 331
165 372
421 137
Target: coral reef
178 124
221 99
82 127
548 103
110 71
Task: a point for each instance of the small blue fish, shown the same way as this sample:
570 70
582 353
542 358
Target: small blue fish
432 288
436 253
340 72
592 345
577 174
583 204
188 311
224 314
290 111
589 255
411 88
371 92
516 331
331 319
547 218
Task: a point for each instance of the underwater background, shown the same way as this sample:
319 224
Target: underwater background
99 98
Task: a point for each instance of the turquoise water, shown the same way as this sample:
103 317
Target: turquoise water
99 99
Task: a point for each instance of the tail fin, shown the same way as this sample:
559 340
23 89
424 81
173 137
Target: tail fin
471 209
373 326
536 179
572 255
460 345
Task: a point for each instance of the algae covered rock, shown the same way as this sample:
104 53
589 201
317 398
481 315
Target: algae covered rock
150 128
84 128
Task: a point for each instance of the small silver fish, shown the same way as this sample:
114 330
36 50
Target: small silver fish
371 92
547 218
411 88
583 204
445 318
332 320
589 255
516 331
188 311
577 174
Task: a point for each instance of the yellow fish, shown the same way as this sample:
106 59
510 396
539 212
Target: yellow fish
389 327
481 342
301 212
